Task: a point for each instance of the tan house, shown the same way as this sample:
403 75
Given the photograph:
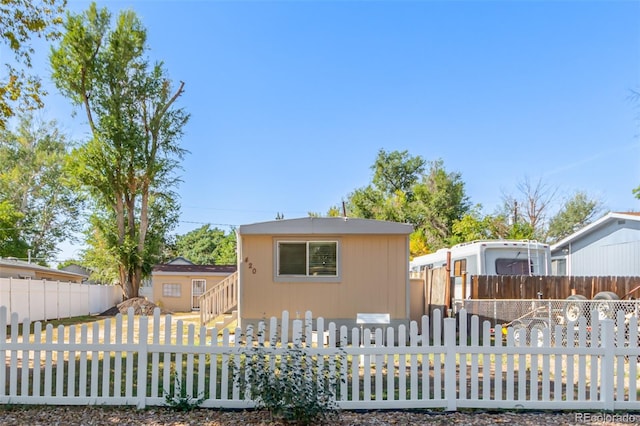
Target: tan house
334 267
19 269
177 285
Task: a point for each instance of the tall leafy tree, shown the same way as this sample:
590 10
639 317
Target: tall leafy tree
440 200
129 165
207 246
34 180
579 211
397 171
11 242
408 189
389 194
22 21
476 226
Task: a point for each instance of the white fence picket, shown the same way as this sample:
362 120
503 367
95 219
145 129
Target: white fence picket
471 367
634 356
202 337
141 385
498 365
95 364
106 360
213 366
224 384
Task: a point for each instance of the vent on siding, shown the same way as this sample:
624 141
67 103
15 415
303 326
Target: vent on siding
621 221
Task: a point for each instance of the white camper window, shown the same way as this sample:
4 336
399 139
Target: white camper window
307 259
513 267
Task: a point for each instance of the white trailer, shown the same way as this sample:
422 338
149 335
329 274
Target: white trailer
490 257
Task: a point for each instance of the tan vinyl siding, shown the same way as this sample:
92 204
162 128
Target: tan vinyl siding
373 274
182 303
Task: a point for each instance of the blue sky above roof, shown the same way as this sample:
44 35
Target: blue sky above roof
291 101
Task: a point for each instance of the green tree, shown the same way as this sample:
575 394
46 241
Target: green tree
207 246
334 212
440 200
21 21
388 197
35 181
11 242
577 212
409 189
475 226
397 171
128 166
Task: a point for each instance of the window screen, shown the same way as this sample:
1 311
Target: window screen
513 267
308 258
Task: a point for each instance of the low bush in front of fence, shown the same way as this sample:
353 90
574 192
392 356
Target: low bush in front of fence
286 381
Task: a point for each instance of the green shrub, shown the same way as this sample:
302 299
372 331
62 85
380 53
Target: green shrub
180 400
292 385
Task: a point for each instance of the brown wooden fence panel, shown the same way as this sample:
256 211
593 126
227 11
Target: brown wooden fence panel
550 287
437 290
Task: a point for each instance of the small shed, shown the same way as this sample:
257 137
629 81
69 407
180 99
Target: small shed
335 267
178 285
610 246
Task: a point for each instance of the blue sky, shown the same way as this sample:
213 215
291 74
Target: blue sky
291 100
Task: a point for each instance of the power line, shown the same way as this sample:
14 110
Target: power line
209 223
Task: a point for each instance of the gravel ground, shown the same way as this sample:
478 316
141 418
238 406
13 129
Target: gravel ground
48 415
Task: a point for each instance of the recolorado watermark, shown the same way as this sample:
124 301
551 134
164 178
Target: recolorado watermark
629 418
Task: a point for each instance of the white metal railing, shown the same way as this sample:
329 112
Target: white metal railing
420 366
220 299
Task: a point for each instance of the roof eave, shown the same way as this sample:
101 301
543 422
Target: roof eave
592 227
326 226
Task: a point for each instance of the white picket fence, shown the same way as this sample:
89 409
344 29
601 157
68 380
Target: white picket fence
134 360
43 299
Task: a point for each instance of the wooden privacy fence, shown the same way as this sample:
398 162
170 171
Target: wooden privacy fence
549 287
437 290
137 360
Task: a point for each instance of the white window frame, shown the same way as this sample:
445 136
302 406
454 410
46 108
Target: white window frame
306 277
171 290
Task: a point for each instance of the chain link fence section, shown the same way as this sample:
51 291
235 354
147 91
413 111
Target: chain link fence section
529 316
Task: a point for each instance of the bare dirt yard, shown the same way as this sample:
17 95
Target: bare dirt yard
109 416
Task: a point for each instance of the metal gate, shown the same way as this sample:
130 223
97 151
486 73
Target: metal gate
198 287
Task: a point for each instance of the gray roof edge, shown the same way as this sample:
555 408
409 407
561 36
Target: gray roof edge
325 226
593 226
8 262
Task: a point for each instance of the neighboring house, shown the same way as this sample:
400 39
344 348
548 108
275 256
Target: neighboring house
609 246
334 267
179 261
80 270
177 285
14 268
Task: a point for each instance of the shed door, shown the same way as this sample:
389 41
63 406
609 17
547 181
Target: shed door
198 287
